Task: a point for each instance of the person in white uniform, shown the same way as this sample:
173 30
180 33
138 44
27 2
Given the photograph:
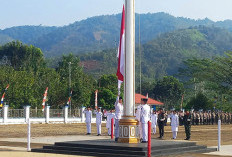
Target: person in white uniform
88 119
174 124
98 120
144 118
118 115
110 115
154 121
137 117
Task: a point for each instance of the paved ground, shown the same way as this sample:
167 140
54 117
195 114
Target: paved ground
29 154
226 150
13 138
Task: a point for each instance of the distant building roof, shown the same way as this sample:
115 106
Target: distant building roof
149 102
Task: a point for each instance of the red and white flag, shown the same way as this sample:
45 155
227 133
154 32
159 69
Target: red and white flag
96 98
3 96
45 98
69 98
121 52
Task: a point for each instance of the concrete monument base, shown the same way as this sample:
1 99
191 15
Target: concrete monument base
128 130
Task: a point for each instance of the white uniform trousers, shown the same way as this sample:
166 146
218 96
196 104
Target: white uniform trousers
140 130
109 130
174 134
116 129
88 126
154 129
145 131
98 128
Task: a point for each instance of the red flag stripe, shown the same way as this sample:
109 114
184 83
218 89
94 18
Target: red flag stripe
45 97
120 70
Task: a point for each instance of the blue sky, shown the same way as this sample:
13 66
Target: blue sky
64 12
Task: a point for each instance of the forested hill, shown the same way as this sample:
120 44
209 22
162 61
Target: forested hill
98 33
166 53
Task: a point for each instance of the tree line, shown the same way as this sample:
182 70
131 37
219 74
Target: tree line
200 84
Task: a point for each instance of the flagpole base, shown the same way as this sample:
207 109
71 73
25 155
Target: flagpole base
128 130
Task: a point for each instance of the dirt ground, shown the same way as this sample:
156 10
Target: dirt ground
203 134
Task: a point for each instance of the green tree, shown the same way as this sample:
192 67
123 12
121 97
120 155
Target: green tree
107 86
106 98
23 57
200 102
81 84
169 90
109 82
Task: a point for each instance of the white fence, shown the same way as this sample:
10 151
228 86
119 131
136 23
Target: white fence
20 116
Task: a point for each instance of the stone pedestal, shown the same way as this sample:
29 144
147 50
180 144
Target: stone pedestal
128 130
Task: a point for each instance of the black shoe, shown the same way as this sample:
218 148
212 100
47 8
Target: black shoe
144 142
187 139
116 139
88 134
98 134
141 140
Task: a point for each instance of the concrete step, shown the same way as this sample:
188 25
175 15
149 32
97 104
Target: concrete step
82 153
187 152
108 148
177 150
204 150
95 150
136 147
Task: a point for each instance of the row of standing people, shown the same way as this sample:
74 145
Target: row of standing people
116 116
143 116
160 119
209 118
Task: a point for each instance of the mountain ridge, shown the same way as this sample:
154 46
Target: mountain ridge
99 32
165 54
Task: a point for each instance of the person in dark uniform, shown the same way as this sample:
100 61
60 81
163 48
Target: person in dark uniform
201 118
181 115
216 117
197 118
161 121
212 118
230 118
193 118
187 125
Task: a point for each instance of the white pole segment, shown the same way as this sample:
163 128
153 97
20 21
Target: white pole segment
219 135
129 89
82 115
27 112
28 135
47 114
5 113
66 114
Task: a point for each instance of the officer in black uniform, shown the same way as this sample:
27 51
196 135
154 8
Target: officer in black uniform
187 124
161 121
